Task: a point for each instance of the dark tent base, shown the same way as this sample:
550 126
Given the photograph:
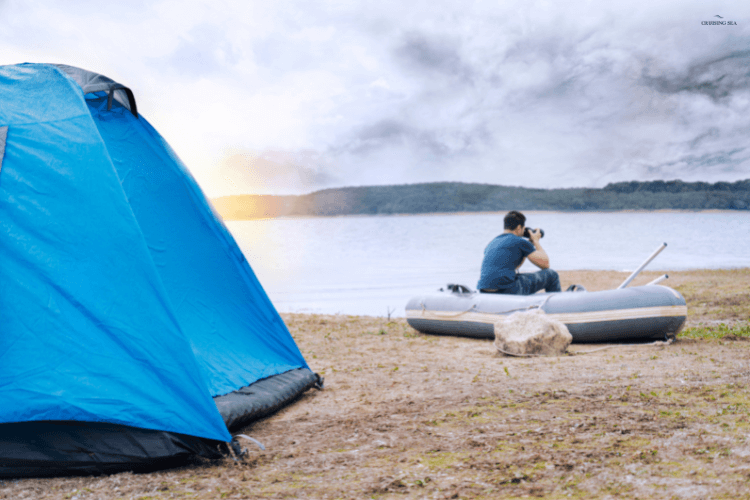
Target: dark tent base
48 448
45 448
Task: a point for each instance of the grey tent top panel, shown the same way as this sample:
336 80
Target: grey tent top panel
3 135
94 82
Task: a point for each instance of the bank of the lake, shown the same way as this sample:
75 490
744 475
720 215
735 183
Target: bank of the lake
406 415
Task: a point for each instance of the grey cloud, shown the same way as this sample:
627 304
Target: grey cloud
704 164
528 96
434 55
730 159
711 166
711 134
522 94
571 68
437 144
717 78
378 135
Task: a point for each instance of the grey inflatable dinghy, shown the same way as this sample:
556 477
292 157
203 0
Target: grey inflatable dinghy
650 312
637 313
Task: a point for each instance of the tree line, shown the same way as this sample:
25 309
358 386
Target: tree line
468 197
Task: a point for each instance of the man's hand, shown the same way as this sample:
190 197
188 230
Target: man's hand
535 235
539 256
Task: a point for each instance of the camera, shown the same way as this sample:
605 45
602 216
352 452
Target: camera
527 233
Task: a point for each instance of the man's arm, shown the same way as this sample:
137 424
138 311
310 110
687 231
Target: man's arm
538 257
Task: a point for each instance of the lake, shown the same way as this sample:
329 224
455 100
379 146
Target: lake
371 265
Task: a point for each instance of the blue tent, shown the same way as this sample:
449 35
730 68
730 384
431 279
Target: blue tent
133 332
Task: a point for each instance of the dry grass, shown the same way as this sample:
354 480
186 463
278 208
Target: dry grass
405 415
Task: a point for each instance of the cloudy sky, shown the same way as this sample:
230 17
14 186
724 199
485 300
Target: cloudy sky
294 96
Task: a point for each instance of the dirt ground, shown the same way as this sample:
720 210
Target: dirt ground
406 415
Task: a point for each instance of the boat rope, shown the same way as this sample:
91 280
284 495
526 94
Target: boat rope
447 315
651 344
541 306
579 353
461 313
520 355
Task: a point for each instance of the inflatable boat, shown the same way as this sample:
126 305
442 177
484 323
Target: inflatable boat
651 312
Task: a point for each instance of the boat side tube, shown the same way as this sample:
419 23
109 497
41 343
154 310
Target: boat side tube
637 313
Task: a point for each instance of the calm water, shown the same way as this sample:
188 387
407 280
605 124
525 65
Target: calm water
373 265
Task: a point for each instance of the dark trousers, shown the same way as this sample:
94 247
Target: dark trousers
528 283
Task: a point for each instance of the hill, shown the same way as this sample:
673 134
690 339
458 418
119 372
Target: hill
465 197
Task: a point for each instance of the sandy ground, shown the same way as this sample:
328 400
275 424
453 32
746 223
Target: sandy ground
405 415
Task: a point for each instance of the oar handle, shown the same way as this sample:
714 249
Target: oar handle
658 280
642 266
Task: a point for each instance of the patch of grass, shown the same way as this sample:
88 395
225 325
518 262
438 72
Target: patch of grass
442 460
617 488
382 331
674 469
716 332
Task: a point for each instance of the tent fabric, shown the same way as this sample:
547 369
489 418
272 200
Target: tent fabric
215 294
85 318
124 301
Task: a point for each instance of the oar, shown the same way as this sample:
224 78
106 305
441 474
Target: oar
658 280
642 266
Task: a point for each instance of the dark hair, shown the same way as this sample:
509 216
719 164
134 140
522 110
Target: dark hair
514 219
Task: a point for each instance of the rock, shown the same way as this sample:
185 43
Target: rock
531 333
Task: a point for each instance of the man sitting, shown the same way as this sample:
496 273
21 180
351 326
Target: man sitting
505 254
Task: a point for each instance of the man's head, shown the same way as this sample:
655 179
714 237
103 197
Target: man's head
514 220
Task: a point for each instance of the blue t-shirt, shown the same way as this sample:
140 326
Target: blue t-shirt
501 257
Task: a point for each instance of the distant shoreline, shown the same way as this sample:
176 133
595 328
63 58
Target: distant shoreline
496 212
461 198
